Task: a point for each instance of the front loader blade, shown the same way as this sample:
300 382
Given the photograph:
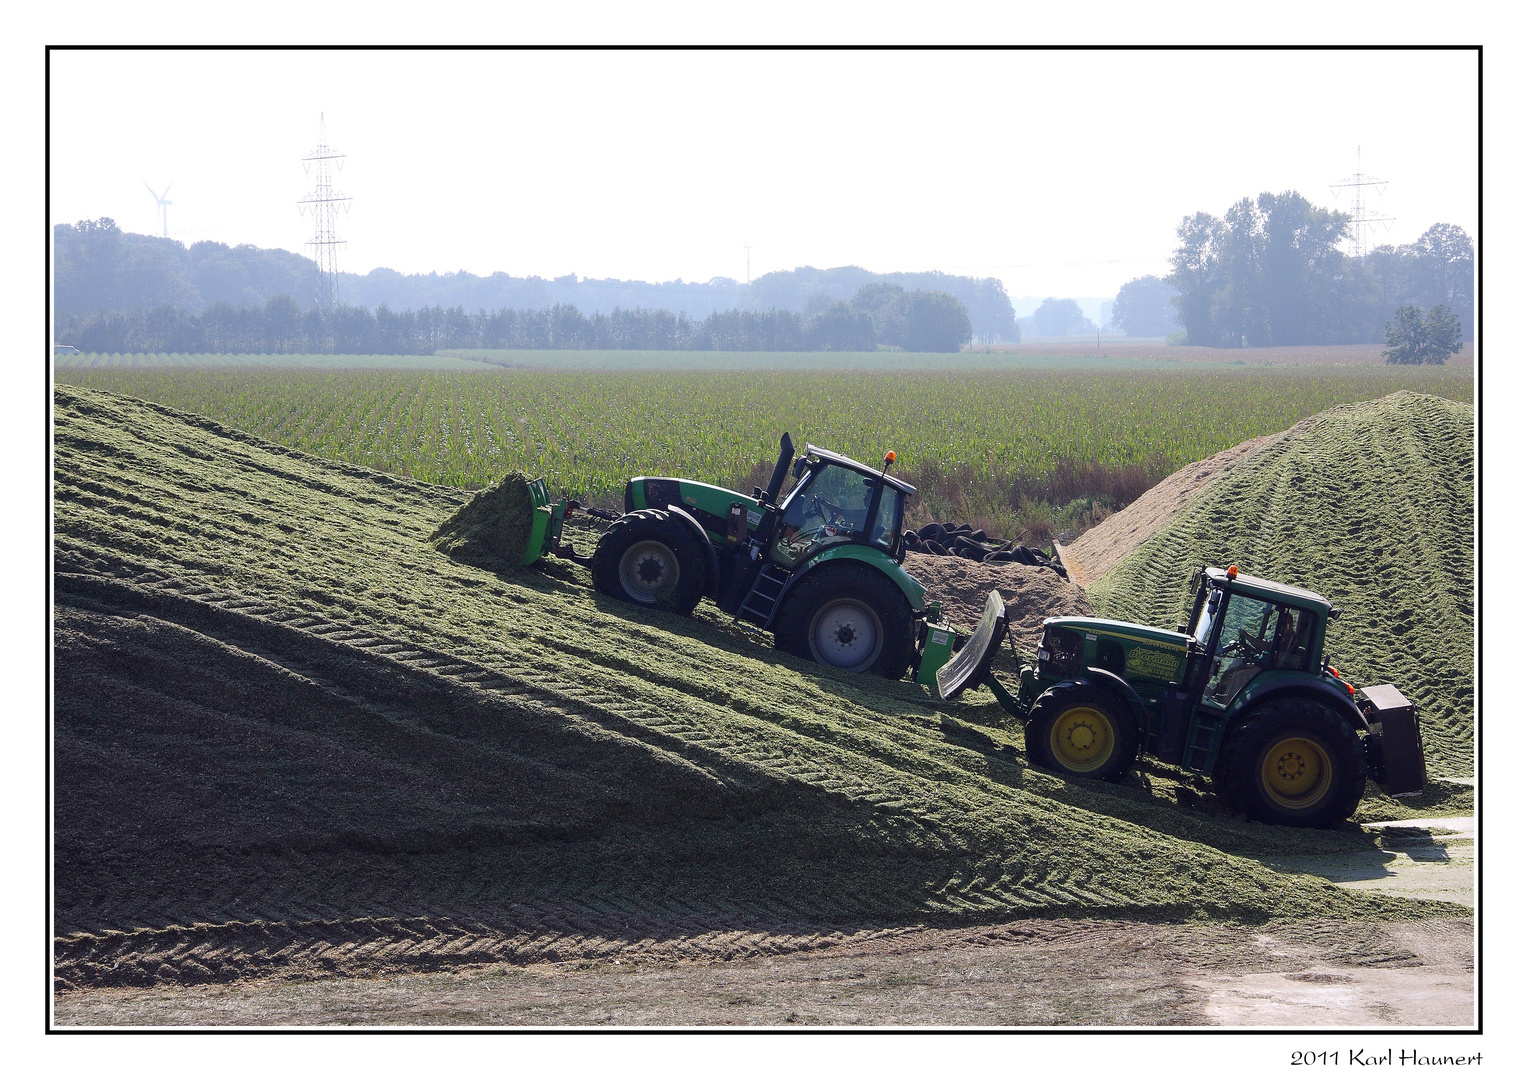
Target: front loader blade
972 664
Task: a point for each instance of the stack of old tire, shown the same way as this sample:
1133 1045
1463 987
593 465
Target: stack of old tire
967 542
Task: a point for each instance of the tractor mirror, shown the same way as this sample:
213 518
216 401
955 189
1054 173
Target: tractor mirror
1334 614
801 466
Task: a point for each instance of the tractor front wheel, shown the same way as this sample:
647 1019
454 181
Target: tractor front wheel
848 616
1082 732
650 558
1294 762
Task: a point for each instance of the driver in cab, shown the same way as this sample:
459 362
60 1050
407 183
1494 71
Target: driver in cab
1277 638
812 518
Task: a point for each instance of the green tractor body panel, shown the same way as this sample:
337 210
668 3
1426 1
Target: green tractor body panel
825 509
1135 653
707 503
546 523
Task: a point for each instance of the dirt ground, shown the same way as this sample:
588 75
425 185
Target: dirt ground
1029 973
1032 593
1036 973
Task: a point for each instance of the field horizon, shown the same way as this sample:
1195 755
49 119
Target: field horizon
1065 354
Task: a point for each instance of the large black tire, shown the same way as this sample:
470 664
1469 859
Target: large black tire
1293 761
652 559
1082 732
848 616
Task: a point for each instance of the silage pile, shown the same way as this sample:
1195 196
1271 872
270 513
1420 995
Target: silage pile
1094 553
966 541
1032 593
291 739
492 529
1373 506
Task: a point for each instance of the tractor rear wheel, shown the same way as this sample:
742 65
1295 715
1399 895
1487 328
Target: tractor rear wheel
848 616
652 559
1082 732
1294 762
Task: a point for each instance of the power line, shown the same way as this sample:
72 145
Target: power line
1362 221
325 203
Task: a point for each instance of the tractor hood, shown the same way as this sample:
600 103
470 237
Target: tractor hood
1128 631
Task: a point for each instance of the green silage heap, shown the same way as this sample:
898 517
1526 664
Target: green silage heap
492 529
1373 506
341 727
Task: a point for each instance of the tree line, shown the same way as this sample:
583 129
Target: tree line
99 267
1271 272
878 315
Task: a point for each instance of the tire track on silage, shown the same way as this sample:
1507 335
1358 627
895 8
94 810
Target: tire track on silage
1372 524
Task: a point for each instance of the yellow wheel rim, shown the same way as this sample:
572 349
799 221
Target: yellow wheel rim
1296 772
1082 738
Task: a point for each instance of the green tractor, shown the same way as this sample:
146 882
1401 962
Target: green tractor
1242 693
820 566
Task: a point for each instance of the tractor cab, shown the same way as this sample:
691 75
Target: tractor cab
1247 627
817 566
838 500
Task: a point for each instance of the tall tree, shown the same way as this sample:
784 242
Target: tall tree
1270 272
1444 259
1144 307
841 328
1060 318
1197 275
934 321
886 304
1414 340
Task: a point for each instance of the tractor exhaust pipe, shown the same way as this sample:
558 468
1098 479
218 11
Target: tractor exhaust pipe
782 466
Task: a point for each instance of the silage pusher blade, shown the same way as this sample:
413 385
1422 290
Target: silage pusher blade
547 518
972 664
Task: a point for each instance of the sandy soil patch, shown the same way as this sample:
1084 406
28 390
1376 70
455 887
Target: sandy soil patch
1428 858
1036 973
1094 553
1033 593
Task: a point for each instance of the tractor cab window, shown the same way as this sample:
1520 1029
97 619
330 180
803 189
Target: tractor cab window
1257 636
829 507
888 519
1204 622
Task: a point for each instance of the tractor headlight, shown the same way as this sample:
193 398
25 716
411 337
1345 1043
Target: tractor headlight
1043 654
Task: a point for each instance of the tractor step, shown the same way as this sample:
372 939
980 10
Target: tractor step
759 605
1203 743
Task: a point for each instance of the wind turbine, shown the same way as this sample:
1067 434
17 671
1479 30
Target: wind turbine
164 214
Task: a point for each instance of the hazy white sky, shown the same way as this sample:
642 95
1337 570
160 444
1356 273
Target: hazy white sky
1059 172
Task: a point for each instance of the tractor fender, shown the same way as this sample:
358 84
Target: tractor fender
858 554
713 565
911 588
1107 680
1304 687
